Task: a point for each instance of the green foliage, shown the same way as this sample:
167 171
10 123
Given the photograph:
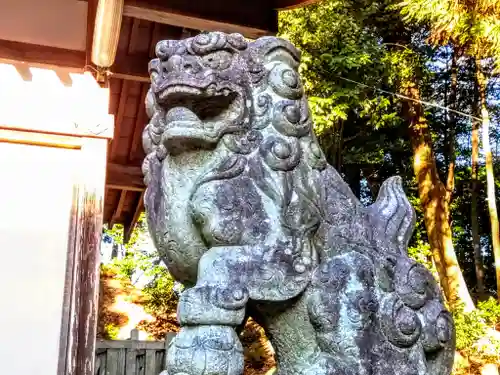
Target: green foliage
136 258
160 296
157 296
111 332
474 325
334 51
137 238
125 267
469 327
474 26
421 252
490 311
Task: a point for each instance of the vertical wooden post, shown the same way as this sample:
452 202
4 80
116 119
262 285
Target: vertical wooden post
134 335
84 245
94 151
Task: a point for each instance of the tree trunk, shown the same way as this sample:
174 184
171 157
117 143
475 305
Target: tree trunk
432 193
476 241
452 123
490 178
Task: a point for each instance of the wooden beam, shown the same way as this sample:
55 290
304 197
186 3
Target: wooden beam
291 4
124 177
106 195
125 185
252 19
136 41
129 227
119 118
41 55
39 139
91 13
135 148
131 67
129 344
119 209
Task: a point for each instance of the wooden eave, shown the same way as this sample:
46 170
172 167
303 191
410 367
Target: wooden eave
145 22
291 4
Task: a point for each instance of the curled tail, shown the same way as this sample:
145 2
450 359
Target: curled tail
380 312
392 217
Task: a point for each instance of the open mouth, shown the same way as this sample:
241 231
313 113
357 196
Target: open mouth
197 117
207 105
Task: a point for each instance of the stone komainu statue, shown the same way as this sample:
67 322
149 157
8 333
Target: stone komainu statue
248 215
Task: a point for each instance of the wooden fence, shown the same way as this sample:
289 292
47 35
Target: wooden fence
130 357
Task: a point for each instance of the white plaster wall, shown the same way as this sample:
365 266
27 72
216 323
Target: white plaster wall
35 197
58 100
56 23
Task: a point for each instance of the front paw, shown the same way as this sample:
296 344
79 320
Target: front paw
212 304
205 350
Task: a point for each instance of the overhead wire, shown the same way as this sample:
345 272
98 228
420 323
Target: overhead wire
430 104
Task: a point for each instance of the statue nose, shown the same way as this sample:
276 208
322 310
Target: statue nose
191 66
186 64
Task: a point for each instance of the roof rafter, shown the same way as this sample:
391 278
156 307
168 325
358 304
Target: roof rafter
252 19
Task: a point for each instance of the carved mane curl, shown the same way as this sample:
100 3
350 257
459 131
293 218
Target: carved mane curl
276 140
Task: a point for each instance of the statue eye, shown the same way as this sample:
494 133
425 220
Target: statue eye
219 60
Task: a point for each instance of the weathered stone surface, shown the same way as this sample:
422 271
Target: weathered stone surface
247 213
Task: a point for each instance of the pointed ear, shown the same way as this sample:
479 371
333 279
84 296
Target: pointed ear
150 102
392 215
270 49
